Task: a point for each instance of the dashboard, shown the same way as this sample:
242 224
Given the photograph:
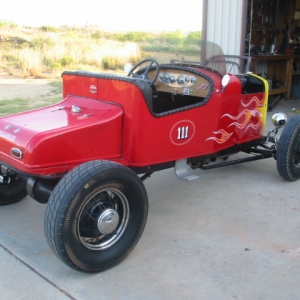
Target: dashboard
180 82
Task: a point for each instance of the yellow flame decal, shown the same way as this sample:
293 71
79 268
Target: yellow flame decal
246 115
224 136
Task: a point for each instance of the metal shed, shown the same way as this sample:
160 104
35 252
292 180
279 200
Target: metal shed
224 22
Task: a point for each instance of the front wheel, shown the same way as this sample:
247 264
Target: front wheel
96 215
288 151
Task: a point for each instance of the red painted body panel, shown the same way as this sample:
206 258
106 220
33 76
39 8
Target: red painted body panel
87 87
56 139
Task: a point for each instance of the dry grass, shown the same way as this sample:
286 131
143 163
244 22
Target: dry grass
44 52
32 52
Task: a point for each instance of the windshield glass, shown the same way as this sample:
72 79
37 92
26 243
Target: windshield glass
185 51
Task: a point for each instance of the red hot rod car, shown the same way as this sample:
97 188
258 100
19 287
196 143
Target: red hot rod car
88 155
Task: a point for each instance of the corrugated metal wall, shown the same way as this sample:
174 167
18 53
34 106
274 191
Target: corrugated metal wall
224 23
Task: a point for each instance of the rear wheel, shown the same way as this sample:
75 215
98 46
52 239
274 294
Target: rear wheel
12 190
288 151
96 215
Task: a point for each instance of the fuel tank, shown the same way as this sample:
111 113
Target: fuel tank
56 138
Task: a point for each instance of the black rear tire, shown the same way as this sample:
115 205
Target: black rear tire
288 151
96 215
12 192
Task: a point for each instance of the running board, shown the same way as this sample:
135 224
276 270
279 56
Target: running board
182 172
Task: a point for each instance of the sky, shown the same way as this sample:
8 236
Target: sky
120 15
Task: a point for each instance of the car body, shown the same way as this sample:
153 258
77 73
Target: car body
83 155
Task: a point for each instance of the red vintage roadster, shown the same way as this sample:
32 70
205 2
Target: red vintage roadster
88 155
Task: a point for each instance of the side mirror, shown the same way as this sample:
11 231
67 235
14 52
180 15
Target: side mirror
225 81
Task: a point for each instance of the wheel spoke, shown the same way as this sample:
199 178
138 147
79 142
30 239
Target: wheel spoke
106 211
89 214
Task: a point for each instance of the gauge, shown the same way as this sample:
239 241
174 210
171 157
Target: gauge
187 79
167 77
172 79
193 79
164 77
180 79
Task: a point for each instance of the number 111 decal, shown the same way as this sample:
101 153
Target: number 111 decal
182 132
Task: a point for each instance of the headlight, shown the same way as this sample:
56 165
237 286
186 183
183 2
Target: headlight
279 119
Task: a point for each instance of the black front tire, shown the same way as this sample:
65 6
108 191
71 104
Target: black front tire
13 191
288 151
96 215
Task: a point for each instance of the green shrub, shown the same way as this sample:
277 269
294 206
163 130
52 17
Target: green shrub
131 36
112 63
108 63
66 61
48 28
56 66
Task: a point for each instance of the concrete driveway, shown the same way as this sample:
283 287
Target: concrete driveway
232 234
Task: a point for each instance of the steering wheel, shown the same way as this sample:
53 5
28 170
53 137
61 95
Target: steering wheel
145 71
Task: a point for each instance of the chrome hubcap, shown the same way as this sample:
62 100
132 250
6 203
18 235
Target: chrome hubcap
108 221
